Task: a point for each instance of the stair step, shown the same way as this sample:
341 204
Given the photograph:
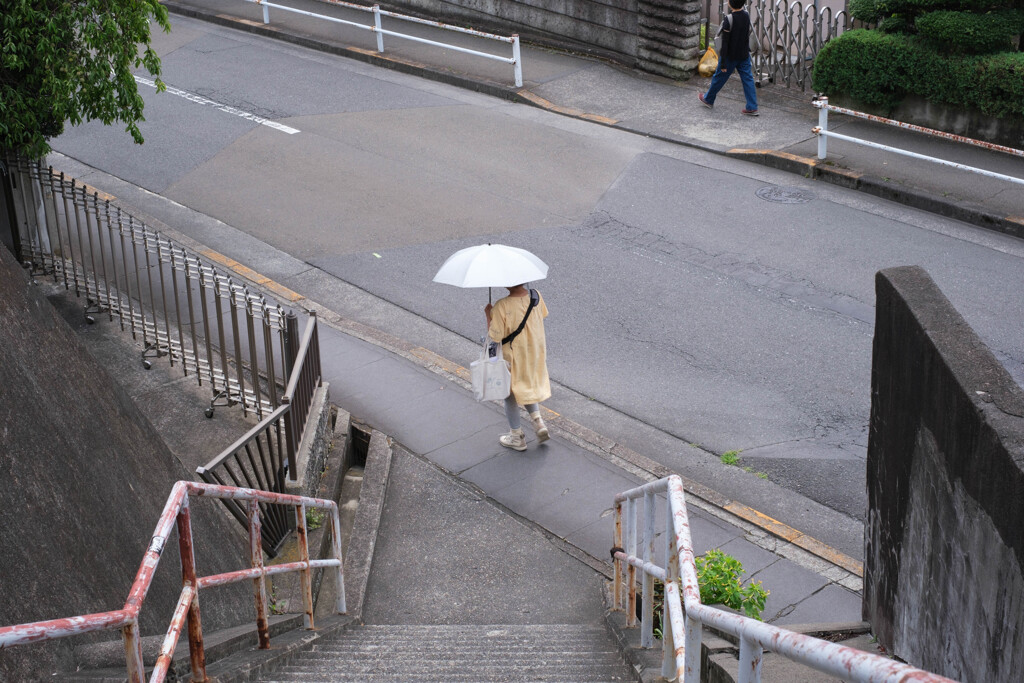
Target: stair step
618 675
438 664
458 653
421 654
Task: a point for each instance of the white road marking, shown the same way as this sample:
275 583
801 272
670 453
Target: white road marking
199 99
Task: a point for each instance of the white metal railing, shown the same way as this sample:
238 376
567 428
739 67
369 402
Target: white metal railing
515 60
681 654
823 133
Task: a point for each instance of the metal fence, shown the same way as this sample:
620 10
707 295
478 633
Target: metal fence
227 336
264 456
786 37
683 619
176 514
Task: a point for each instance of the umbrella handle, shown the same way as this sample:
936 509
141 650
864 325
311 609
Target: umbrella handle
488 296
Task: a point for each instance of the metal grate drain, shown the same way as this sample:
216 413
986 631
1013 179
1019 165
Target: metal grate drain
784 195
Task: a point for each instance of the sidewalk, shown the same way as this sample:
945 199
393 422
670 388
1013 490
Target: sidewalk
577 86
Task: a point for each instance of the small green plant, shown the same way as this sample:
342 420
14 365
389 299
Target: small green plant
762 475
730 457
276 606
314 518
719 574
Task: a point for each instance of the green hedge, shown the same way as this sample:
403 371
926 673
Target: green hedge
880 69
873 11
968 33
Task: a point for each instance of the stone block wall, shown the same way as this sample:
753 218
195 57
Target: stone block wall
657 36
943 585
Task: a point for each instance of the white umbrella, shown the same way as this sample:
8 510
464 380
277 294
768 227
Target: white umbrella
491 265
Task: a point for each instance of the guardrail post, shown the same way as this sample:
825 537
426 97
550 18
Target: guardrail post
668 634
340 606
197 655
304 574
822 105
631 570
518 65
133 653
266 13
750 661
377 27
647 620
617 564
693 638
291 344
260 582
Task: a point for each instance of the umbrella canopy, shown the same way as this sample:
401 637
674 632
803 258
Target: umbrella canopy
491 265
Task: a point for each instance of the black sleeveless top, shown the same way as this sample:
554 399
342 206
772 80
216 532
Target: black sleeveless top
736 43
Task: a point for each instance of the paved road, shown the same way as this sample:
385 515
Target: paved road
699 304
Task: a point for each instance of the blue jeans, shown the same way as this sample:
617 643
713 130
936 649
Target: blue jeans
722 73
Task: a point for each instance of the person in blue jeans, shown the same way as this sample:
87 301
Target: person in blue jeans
735 57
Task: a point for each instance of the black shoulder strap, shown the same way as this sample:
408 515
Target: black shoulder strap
534 300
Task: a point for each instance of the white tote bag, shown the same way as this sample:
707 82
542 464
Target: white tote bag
491 378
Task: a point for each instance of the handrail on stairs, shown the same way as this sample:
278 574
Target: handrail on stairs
681 653
176 513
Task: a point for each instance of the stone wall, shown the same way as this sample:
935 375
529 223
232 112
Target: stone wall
84 479
943 585
658 36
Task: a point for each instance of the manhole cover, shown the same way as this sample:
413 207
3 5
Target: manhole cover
784 195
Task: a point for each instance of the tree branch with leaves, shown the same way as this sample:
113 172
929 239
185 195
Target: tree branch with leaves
69 61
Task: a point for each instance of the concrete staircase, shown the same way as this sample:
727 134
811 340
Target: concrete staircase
449 653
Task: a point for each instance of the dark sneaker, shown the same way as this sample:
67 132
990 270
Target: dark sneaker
707 104
750 112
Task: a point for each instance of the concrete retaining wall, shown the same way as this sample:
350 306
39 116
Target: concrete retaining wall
943 585
657 36
84 479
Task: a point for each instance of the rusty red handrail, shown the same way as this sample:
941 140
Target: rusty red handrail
176 512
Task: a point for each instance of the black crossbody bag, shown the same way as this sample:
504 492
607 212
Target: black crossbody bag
534 300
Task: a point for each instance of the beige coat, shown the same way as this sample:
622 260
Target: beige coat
527 353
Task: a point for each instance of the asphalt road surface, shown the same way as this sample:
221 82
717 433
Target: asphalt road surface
698 304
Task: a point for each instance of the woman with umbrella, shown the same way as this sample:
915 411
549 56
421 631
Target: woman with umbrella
526 353
516 322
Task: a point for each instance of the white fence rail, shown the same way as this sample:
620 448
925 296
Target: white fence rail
823 133
515 60
683 619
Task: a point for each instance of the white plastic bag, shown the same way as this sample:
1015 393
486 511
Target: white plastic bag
491 378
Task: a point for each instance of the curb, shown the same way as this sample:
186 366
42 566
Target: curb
816 169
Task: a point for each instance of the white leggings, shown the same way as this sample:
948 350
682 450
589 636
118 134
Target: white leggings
512 411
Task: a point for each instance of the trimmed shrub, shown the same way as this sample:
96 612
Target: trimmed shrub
879 70
968 33
869 66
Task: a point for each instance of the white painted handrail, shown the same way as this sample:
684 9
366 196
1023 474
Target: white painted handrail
515 60
684 616
823 133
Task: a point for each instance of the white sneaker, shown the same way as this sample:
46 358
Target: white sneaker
515 440
539 428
